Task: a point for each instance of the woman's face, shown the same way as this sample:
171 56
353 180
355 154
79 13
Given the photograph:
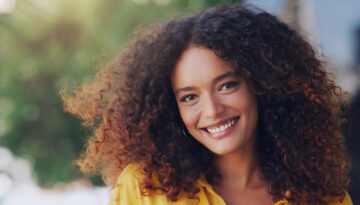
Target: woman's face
215 104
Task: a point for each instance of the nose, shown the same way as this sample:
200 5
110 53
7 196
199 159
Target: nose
212 107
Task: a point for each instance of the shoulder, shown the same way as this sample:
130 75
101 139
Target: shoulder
346 201
131 174
127 190
329 200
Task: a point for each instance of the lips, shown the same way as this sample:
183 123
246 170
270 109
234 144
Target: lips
221 128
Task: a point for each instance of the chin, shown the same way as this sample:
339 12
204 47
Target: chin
223 151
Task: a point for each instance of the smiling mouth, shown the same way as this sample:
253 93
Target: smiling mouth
221 128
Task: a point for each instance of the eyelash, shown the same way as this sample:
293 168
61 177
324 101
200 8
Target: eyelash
229 85
185 98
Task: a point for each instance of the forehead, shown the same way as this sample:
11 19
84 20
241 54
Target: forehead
199 63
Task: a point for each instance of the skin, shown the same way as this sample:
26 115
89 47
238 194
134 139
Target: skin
210 94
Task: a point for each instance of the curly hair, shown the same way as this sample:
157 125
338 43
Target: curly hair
133 111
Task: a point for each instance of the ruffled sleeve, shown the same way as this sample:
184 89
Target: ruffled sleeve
282 202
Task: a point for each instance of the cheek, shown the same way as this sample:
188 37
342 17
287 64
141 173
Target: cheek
252 111
246 104
189 117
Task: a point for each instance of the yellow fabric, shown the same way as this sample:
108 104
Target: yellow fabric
127 192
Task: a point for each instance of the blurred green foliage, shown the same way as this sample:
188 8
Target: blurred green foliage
47 43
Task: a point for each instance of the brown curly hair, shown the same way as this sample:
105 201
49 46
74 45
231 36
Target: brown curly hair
133 111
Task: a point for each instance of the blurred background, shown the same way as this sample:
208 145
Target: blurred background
45 45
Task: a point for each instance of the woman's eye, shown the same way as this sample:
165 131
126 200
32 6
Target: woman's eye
229 85
188 98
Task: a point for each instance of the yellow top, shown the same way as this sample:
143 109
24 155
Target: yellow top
127 192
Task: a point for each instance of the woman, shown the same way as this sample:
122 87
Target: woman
228 106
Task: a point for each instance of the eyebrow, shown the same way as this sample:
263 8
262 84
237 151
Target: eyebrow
217 79
225 75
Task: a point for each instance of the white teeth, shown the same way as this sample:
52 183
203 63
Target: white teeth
221 128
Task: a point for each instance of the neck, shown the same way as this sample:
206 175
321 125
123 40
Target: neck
240 170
